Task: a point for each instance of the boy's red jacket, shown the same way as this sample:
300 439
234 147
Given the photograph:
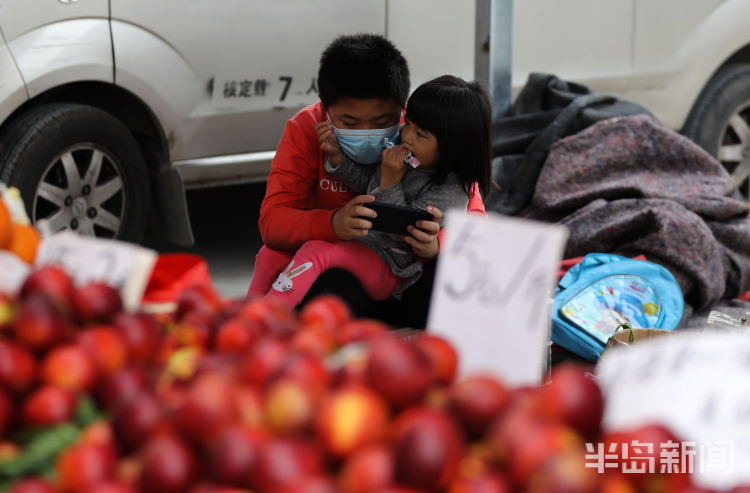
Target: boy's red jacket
301 196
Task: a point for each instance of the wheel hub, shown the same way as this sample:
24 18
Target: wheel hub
79 207
82 189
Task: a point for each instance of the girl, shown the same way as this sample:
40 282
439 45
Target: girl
447 130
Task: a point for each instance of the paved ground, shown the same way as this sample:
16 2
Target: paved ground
225 225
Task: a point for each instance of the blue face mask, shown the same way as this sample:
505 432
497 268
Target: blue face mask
364 146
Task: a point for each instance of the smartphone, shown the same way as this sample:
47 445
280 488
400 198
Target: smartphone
395 218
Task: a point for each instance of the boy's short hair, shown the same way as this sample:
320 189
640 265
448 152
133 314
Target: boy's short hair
363 66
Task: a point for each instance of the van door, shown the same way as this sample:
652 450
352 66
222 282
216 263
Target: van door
247 65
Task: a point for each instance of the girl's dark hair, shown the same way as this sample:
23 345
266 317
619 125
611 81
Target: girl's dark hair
459 115
363 66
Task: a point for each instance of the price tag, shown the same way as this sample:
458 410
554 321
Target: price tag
122 265
493 293
694 383
13 271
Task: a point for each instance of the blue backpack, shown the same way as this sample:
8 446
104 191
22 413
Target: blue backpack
603 291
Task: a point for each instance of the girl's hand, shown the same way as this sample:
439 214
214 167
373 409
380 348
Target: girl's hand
423 239
329 143
393 166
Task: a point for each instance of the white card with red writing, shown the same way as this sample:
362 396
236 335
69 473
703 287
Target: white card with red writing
493 291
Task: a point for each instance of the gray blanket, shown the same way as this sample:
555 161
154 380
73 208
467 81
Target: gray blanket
629 185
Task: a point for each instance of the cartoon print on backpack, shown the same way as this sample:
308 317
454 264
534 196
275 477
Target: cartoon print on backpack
284 283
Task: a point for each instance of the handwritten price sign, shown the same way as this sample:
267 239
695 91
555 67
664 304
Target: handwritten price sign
696 384
122 265
493 292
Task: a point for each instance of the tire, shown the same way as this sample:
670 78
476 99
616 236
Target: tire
79 168
720 122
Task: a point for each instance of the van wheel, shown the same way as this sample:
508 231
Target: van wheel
79 168
720 122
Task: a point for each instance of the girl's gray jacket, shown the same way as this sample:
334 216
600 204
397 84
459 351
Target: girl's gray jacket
415 190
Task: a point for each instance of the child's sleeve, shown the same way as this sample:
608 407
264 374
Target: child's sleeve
285 222
353 175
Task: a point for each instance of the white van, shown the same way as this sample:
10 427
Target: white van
110 109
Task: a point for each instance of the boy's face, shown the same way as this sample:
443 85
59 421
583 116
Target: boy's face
364 114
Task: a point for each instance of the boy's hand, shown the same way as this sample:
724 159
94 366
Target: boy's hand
329 143
424 238
393 167
347 222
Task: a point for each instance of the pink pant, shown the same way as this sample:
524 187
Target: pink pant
288 277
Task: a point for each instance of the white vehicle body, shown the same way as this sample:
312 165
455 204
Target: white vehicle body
204 88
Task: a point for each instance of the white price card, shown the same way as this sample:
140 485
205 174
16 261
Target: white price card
122 265
13 271
695 384
493 292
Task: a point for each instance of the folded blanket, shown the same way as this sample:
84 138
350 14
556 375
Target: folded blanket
630 185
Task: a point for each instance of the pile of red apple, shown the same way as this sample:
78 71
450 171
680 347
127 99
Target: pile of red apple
243 395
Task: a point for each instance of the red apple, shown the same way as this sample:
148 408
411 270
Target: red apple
105 346
196 328
235 336
398 371
305 369
289 406
232 455
249 404
477 401
351 418
368 470
47 406
524 443
136 419
485 482
328 311
650 443
112 486
573 398
40 323
53 282
141 335
99 431
82 465
263 360
96 302
32 485
428 448
318 484
200 297
442 356
18 368
6 410
117 389
315 340
270 316
70 367
360 330
565 473
169 465
208 408
283 461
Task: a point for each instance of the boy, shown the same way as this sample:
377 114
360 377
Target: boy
363 83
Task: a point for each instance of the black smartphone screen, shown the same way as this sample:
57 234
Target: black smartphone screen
395 218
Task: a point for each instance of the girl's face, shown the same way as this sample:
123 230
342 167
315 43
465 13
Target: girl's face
421 143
